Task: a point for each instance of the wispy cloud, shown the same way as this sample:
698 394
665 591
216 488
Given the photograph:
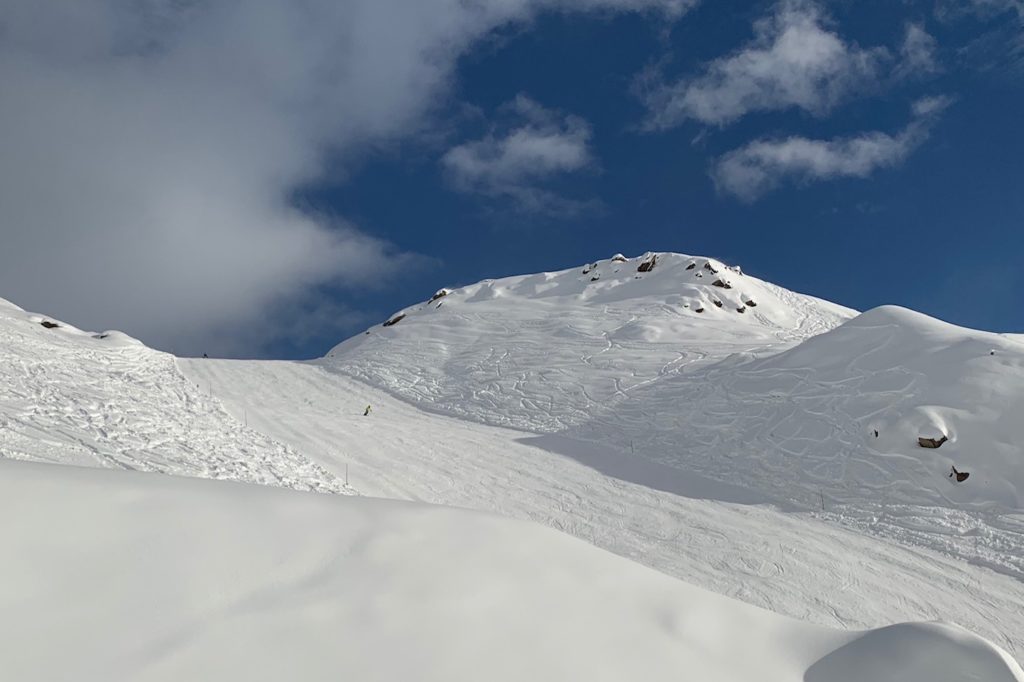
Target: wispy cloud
151 149
951 9
762 166
918 53
998 43
515 159
797 59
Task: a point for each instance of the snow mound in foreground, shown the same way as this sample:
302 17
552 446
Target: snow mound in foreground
130 576
915 652
542 351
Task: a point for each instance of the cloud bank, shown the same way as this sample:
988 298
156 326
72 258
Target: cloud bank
764 165
149 150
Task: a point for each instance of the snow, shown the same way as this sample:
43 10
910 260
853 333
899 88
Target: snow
541 352
106 400
814 566
161 578
732 451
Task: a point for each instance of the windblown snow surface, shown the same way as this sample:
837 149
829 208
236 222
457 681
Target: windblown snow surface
731 446
125 576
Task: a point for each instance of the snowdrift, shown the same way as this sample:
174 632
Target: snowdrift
119 575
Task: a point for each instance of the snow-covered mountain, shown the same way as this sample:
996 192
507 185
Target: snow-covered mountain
756 442
544 351
636 353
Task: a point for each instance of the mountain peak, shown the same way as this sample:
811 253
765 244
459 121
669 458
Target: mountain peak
605 327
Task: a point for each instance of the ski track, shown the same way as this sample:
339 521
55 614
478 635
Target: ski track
851 567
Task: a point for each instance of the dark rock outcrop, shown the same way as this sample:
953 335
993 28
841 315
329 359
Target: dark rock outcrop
648 264
931 442
441 293
722 284
691 266
961 476
49 325
394 320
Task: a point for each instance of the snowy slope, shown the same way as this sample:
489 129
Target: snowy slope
803 422
106 400
720 537
116 575
651 430
541 352
762 398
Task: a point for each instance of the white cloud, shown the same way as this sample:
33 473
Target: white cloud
761 166
794 60
918 53
513 162
150 150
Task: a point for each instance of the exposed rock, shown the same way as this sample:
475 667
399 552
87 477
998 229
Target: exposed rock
735 268
931 442
49 325
699 274
741 309
441 293
722 284
100 336
718 304
618 258
595 278
961 476
698 310
752 303
691 266
648 264
710 268
394 320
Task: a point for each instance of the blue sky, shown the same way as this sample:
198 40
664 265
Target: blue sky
864 152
